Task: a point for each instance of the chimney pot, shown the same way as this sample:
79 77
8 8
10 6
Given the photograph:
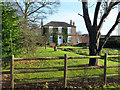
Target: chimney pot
73 23
70 22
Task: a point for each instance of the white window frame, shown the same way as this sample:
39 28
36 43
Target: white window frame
60 29
50 29
69 39
51 39
69 30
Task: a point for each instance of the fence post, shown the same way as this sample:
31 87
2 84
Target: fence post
65 71
105 68
12 72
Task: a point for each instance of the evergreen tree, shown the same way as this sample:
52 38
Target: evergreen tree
10 26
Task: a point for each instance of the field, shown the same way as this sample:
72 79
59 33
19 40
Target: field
56 64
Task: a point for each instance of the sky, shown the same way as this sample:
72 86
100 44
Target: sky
69 10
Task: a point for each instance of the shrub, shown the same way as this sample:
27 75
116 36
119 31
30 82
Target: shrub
113 42
52 44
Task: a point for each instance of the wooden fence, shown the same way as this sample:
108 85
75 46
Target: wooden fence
66 57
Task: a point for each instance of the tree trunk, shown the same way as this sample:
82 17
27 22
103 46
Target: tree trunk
93 46
55 48
45 45
28 50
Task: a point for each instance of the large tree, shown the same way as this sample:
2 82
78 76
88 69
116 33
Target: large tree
32 13
94 29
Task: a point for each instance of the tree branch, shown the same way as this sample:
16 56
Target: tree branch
80 14
109 8
109 33
86 14
96 13
36 9
20 7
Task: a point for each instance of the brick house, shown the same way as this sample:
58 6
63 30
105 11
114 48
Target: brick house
72 37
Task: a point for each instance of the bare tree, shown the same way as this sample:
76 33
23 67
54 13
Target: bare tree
94 29
32 12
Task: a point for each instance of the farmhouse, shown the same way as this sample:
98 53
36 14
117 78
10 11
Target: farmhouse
62 32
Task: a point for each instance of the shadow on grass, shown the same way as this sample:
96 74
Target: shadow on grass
52 67
58 78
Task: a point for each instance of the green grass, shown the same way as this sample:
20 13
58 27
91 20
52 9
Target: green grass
70 47
51 64
49 52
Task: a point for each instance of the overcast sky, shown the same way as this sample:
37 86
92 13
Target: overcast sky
69 10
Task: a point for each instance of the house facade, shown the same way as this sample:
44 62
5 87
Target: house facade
64 33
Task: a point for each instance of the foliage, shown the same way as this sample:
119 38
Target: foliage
52 44
45 36
45 31
65 34
32 12
29 40
113 42
55 35
9 23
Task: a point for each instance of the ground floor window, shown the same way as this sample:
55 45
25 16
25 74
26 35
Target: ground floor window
51 39
69 39
79 41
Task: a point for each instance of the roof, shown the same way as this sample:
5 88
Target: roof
58 24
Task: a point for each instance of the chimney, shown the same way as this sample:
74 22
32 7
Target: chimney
73 23
70 22
41 22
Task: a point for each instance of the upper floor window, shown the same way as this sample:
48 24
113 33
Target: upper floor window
60 29
50 29
69 30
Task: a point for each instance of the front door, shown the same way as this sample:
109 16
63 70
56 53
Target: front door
60 39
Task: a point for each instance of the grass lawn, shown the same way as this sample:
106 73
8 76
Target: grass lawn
55 64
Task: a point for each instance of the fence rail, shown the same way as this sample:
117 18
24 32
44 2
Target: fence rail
66 57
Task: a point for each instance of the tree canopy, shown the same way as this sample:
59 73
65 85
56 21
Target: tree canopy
9 26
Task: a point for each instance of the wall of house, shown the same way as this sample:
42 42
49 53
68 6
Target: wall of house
73 31
73 40
75 37
85 39
79 36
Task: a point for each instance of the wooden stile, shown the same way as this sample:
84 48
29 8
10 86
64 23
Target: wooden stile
65 71
105 69
12 72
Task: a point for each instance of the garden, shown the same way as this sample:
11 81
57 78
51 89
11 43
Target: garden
80 78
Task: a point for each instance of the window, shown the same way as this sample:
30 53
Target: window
69 30
60 29
51 39
79 41
69 39
50 29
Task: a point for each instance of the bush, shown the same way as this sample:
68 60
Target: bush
52 44
81 44
113 42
